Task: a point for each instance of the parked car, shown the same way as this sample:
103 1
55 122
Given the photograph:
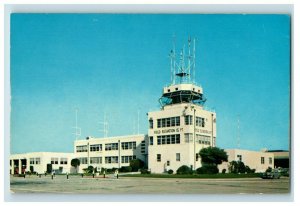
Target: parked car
274 174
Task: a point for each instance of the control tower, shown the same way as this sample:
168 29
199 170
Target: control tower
182 127
183 88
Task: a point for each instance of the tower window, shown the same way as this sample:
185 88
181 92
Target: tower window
151 140
176 89
168 163
168 90
150 123
177 156
188 120
158 158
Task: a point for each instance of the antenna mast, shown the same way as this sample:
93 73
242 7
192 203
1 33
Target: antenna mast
105 126
77 132
238 132
138 122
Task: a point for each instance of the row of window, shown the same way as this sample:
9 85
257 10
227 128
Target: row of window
175 121
202 139
168 139
108 147
262 160
175 139
36 161
158 158
167 122
188 120
55 160
108 160
128 145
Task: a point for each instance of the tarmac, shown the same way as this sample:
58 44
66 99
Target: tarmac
139 185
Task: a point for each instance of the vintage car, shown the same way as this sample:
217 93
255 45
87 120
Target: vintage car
274 174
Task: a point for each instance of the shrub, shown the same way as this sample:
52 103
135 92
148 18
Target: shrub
145 171
125 169
223 171
170 172
208 169
183 170
136 165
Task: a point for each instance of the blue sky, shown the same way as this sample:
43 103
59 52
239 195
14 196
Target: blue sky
118 64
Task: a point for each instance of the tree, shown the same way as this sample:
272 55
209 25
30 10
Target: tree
75 163
184 170
89 169
136 164
239 167
207 169
213 155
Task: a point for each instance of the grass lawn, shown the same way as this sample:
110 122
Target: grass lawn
227 175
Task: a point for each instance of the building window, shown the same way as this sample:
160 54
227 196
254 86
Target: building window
197 157
168 163
202 139
83 160
239 157
54 160
31 160
63 161
128 145
127 159
158 157
111 146
188 120
95 160
262 160
112 159
168 139
143 147
81 148
200 122
159 123
37 161
188 137
270 160
151 140
96 147
177 156
168 122
151 123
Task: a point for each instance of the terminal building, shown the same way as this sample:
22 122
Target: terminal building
111 152
38 161
176 134
258 160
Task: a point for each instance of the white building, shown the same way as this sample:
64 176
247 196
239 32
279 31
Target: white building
111 152
176 134
37 162
258 160
182 127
